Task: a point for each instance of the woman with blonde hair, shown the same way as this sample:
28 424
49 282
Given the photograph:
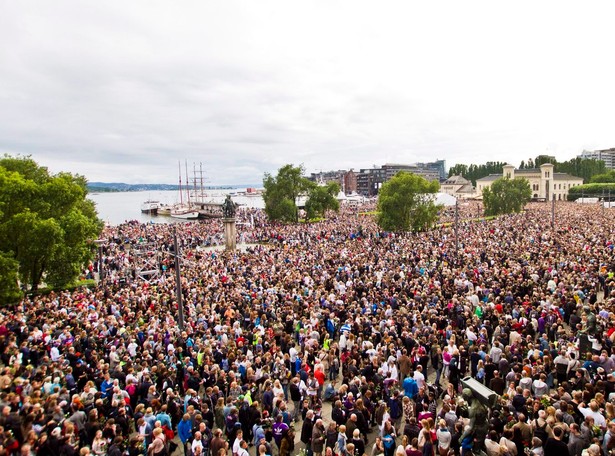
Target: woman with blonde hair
277 389
444 438
99 445
157 447
425 427
219 414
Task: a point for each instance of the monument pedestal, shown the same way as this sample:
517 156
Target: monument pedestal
230 233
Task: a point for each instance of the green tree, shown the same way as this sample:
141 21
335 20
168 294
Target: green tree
458 170
606 178
505 196
9 279
597 190
282 191
46 222
474 172
406 202
585 168
322 198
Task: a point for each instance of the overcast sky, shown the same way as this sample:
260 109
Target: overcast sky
120 90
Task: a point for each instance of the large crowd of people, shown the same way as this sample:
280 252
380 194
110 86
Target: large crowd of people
380 328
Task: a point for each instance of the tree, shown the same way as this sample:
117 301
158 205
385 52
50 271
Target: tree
9 280
585 168
406 202
606 178
282 191
46 224
322 198
598 190
474 172
506 195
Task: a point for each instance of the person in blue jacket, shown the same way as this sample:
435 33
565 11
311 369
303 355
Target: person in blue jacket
411 389
184 429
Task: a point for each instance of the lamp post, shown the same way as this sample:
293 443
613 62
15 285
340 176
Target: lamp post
178 285
101 273
553 212
457 229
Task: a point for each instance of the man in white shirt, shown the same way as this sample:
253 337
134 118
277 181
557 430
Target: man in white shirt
496 353
594 411
419 378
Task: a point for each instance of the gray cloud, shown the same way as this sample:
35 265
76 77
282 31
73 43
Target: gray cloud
123 90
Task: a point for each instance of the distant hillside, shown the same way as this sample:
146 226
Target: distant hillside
121 187
101 187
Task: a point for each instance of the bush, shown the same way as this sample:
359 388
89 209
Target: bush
591 191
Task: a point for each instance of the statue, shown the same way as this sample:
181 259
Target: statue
478 425
228 208
590 322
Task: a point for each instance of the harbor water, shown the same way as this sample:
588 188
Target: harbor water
118 207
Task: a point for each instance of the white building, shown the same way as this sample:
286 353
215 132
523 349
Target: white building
459 187
606 155
545 184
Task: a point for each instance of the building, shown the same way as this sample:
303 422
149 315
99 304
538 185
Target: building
347 180
606 155
438 165
459 187
370 180
328 176
350 182
545 184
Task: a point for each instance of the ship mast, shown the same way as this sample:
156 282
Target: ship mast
181 198
187 186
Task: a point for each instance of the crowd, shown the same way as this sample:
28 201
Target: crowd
382 326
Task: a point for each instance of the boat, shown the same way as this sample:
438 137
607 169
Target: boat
150 207
164 209
184 212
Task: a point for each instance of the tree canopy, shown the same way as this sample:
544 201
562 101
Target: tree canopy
580 167
597 190
322 198
282 191
505 196
474 172
406 203
606 178
46 225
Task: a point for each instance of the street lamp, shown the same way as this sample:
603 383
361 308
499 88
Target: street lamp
178 284
99 243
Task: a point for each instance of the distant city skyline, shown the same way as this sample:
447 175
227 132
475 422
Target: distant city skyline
120 91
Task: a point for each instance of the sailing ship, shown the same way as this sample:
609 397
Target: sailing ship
184 210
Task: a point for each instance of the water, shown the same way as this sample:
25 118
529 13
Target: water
119 207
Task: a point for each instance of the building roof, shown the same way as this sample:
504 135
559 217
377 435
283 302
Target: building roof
398 165
467 188
489 178
456 180
565 176
528 171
